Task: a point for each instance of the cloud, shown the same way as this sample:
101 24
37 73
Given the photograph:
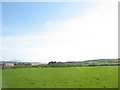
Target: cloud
90 36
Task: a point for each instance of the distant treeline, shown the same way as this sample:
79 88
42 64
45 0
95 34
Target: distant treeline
60 65
79 65
87 63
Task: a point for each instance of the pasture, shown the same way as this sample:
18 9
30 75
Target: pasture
61 77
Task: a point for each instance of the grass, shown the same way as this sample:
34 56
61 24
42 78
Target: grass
65 77
0 78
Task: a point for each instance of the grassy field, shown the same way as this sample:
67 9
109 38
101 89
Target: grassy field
65 77
0 78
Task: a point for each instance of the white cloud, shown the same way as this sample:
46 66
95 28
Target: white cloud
90 36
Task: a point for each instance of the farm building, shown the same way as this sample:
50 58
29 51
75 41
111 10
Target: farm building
8 64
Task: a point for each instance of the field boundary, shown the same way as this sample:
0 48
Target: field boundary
60 89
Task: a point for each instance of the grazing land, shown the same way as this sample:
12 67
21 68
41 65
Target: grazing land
61 77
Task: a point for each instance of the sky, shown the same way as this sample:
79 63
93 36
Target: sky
59 31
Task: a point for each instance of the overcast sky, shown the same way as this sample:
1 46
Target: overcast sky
59 31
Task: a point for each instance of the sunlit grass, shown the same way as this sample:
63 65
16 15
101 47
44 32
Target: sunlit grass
65 77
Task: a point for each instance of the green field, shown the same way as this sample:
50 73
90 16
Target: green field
61 77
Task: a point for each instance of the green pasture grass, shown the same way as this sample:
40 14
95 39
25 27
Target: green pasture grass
61 77
0 78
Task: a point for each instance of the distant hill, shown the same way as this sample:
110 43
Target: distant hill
94 61
72 62
18 61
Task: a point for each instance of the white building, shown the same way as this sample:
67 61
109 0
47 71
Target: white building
8 64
